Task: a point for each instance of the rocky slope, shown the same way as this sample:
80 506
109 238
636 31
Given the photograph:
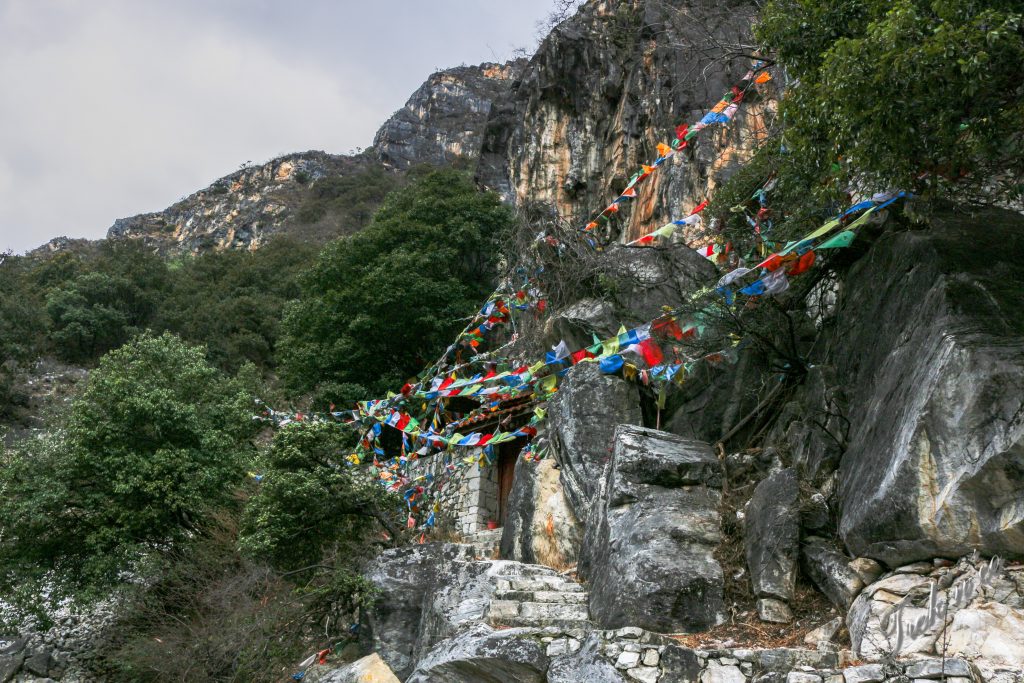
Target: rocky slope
238 211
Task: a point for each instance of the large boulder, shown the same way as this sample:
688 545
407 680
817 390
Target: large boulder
646 280
649 541
425 593
577 323
540 527
483 655
932 350
772 535
581 421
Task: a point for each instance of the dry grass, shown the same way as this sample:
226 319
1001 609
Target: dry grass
744 629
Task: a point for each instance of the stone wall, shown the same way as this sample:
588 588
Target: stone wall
467 496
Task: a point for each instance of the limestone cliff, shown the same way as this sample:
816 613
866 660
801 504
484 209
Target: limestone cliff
565 128
443 121
605 87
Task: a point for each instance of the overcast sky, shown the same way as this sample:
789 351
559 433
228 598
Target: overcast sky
110 108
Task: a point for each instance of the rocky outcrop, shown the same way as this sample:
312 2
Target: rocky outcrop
969 610
540 527
241 210
443 122
413 583
482 655
433 592
582 418
649 539
936 446
647 280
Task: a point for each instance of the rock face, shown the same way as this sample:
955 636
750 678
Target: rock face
434 592
649 540
413 583
935 463
540 526
772 536
445 119
648 279
581 422
978 614
610 83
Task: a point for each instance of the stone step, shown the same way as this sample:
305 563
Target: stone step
539 613
561 624
537 584
485 536
575 597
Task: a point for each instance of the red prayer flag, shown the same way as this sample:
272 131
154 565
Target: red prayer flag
651 352
802 264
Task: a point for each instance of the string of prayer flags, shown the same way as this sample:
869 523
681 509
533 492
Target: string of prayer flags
669 228
722 112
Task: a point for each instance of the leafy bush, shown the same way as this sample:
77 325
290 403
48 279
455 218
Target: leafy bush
309 503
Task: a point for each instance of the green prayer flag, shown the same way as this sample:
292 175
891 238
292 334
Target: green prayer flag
843 239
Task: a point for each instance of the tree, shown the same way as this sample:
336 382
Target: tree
310 504
232 301
916 94
155 442
379 305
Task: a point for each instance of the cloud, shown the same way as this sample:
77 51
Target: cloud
116 107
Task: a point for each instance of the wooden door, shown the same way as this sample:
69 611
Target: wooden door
506 470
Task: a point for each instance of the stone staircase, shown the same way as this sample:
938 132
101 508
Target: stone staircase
485 543
536 596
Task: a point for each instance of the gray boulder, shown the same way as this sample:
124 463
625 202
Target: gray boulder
829 569
581 421
648 279
540 527
648 544
932 351
772 535
426 592
680 664
483 655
